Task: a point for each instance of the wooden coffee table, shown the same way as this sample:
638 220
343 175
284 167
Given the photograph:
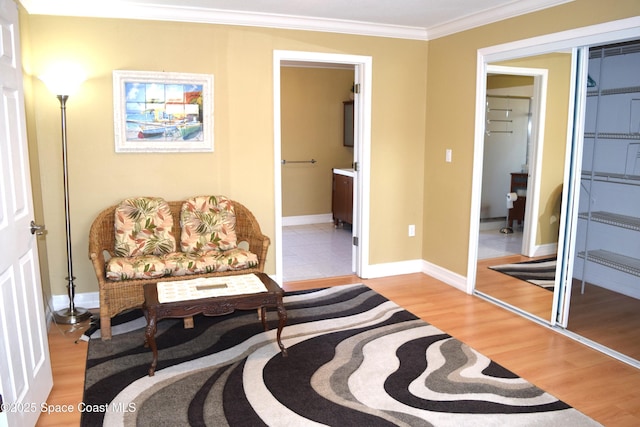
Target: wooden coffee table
155 311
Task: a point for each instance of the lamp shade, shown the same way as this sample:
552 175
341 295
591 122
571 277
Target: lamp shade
63 79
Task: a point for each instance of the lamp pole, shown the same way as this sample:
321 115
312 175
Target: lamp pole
72 314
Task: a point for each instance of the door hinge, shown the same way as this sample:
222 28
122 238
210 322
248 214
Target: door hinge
355 240
356 88
355 166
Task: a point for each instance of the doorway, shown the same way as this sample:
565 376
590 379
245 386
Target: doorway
507 147
313 152
361 151
514 129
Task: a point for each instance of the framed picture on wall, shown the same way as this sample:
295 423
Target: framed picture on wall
162 112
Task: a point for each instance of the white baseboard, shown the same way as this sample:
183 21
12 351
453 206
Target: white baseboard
91 300
306 219
392 269
417 266
546 250
493 225
449 277
86 300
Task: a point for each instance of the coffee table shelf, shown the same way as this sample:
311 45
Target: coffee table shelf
155 311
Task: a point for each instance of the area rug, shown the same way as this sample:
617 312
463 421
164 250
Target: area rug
354 359
541 272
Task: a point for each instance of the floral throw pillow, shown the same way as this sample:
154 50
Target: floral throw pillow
208 223
143 227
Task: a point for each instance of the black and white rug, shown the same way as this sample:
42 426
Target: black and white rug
541 272
355 359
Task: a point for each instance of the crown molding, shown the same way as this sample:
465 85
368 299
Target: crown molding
124 10
489 16
129 10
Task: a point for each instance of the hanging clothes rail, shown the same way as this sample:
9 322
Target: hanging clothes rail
489 132
284 162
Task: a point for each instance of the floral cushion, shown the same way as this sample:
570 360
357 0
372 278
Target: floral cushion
179 264
182 264
143 227
208 223
233 259
139 267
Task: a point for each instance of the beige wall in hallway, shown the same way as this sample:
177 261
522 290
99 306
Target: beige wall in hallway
311 100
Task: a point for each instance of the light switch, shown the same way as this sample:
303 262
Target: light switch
447 156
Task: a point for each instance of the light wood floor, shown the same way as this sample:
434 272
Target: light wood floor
599 386
530 298
603 316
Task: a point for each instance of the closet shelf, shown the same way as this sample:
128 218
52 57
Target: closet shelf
617 220
617 178
613 135
614 91
613 260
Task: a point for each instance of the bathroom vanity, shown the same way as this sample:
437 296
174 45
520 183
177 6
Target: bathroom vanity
342 196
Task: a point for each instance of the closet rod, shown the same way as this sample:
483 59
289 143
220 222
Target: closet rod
284 162
489 132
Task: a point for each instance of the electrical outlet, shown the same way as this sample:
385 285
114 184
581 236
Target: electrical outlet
447 155
412 230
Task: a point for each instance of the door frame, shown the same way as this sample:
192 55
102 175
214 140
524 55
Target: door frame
538 114
361 152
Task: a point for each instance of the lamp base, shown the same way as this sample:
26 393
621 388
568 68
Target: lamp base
71 317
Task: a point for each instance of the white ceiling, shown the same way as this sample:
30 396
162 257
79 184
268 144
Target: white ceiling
411 19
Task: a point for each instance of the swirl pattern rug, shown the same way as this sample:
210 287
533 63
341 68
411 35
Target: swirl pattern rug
355 359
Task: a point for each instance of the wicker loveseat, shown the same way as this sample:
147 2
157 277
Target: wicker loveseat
120 291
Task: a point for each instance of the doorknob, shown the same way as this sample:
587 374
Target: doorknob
37 229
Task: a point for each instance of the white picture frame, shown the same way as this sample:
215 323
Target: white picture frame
162 112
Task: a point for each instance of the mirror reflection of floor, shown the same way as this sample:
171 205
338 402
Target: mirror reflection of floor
518 293
608 318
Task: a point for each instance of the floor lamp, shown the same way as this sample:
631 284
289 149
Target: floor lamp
62 82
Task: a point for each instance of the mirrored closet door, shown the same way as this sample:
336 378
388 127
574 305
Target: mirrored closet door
605 295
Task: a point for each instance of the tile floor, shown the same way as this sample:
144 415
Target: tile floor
316 251
493 243
321 250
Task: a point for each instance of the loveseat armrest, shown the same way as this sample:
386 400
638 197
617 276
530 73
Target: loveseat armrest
248 230
101 240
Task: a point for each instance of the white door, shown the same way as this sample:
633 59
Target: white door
25 368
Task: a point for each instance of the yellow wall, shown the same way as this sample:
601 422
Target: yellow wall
312 110
241 60
411 126
451 77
